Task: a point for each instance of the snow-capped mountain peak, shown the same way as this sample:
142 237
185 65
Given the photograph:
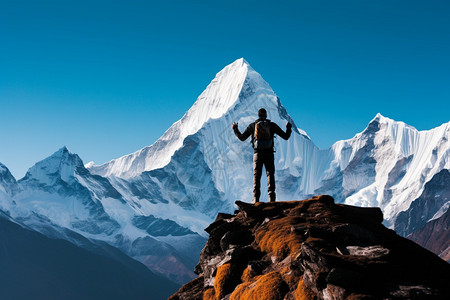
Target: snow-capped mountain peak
219 96
392 126
89 164
60 165
380 118
8 183
392 161
235 94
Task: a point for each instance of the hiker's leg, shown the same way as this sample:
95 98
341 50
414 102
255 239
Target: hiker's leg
269 164
257 172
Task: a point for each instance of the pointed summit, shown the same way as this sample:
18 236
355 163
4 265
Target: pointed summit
8 183
3 169
239 63
242 60
61 164
89 164
236 93
219 95
379 118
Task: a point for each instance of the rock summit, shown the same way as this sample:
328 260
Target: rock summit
312 249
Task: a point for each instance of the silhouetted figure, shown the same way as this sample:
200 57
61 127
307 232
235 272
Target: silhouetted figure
262 132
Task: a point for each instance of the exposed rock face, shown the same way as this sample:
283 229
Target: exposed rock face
432 203
427 220
312 249
435 236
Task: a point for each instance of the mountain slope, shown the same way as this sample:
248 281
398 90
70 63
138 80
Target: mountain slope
435 236
33 266
432 203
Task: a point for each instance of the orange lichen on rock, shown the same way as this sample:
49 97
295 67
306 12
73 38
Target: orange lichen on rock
209 294
302 292
247 275
290 277
225 281
278 238
240 291
266 287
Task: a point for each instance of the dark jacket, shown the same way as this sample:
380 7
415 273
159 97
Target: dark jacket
274 129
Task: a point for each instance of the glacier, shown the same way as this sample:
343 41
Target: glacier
154 204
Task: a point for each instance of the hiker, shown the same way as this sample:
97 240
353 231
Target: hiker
262 132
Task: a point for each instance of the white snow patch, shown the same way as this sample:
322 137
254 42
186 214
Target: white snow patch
441 211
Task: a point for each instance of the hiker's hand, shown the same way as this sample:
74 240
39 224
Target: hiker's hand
234 126
288 125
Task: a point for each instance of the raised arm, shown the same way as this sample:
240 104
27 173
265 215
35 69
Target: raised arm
285 135
241 136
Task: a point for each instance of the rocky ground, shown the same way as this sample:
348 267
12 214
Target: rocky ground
312 249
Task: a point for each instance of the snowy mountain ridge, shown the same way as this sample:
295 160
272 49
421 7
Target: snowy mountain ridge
59 194
403 160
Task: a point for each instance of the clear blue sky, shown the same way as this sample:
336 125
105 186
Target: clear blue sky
106 78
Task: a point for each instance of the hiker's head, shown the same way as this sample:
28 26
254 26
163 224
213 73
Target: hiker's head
262 114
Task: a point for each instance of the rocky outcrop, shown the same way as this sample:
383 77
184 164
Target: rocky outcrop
312 249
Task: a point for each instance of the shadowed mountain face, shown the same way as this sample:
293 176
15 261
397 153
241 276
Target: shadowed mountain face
435 236
33 266
427 220
312 249
435 199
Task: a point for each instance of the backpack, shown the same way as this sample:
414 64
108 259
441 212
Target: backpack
263 138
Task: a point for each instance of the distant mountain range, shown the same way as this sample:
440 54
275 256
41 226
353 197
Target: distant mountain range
155 203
